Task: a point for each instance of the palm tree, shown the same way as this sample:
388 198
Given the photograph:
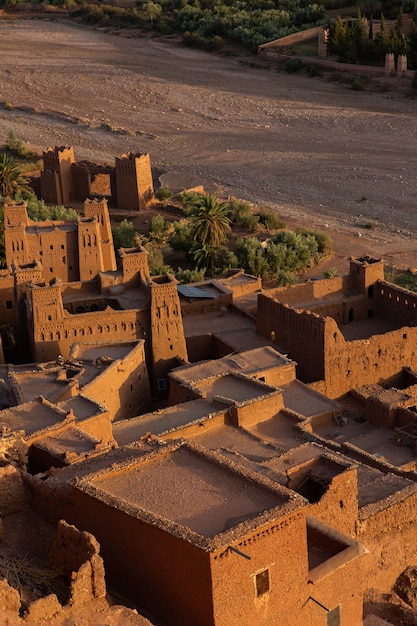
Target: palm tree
11 179
210 220
204 256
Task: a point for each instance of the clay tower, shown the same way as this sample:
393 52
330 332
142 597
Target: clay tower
168 341
134 186
56 177
15 242
99 210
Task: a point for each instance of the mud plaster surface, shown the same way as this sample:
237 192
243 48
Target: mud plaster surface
189 490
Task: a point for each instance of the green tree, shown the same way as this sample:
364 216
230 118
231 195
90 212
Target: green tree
160 228
210 221
204 256
152 10
124 235
11 179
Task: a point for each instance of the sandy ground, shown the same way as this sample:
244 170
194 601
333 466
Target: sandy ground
307 148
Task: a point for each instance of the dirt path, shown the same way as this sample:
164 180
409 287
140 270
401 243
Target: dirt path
308 148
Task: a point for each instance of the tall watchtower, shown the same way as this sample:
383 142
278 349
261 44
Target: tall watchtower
167 331
15 241
365 272
89 248
99 209
134 186
56 177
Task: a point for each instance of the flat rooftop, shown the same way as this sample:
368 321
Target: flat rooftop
81 406
280 430
374 485
72 439
248 362
91 352
377 441
187 488
42 383
233 387
300 398
166 420
31 417
235 330
237 440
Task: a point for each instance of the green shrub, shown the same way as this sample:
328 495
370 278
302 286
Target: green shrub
292 66
189 276
331 272
270 220
17 147
160 228
181 239
324 242
156 261
124 235
163 193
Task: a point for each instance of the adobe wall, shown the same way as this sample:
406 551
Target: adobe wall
51 187
57 250
242 284
52 340
7 304
280 546
338 506
365 272
299 333
349 309
196 427
164 574
123 386
89 248
350 364
387 528
342 590
247 413
311 291
396 304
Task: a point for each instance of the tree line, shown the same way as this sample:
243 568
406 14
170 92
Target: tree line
353 41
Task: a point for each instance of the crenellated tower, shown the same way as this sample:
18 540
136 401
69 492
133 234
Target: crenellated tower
56 176
98 209
134 185
167 331
15 240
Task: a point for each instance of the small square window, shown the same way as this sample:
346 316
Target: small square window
162 385
262 582
9 304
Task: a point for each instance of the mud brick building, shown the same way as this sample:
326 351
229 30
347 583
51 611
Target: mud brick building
343 332
127 186
66 250
241 549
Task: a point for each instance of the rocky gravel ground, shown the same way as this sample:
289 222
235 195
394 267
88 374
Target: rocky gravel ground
318 153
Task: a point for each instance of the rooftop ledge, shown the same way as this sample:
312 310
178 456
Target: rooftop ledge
329 550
